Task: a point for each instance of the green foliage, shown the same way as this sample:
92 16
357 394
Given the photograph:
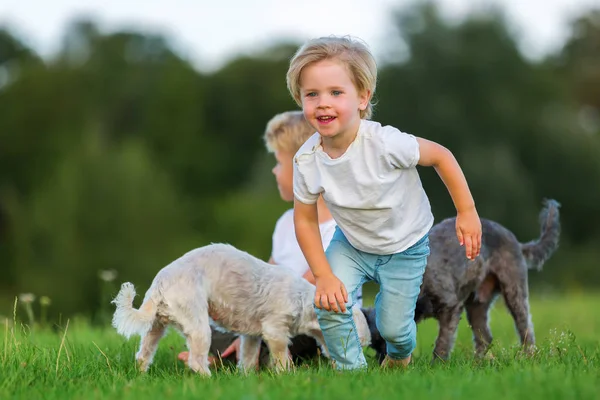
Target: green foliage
579 60
118 154
103 207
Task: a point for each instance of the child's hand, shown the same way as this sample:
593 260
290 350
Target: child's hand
468 230
234 347
330 292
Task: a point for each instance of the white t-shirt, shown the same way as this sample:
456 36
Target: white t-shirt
286 250
373 190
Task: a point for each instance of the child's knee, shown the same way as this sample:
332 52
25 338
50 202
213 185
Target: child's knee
402 336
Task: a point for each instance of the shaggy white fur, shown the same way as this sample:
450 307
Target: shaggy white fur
233 290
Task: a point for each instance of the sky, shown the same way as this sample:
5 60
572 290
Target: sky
209 32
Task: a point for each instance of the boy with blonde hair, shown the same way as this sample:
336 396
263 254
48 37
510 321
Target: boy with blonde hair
366 173
284 134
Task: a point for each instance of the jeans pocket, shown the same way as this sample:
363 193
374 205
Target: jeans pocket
419 249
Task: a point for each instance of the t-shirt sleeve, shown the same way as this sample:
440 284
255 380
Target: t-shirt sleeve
301 191
402 149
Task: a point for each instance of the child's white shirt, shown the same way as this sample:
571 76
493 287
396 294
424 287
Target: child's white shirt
286 250
373 190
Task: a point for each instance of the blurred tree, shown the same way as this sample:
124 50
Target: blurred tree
138 87
244 95
119 154
16 59
580 57
14 55
506 119
104 207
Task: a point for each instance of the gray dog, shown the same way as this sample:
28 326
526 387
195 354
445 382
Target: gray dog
452 283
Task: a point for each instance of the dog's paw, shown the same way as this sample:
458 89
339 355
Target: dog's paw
199 367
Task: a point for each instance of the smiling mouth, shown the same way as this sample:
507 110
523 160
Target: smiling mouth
326 118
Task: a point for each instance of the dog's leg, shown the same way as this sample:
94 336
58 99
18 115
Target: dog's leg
280 357
249 352
477 315
198 335
277 338
148 346
515 298
187 308
448 320
199 344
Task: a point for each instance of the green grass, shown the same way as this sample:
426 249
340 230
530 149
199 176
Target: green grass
83 362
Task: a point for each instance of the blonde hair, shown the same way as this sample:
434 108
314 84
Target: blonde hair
353 53
287 132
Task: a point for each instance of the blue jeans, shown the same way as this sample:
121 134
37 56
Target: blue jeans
399 277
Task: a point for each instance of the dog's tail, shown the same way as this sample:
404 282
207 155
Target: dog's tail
127 320
538 251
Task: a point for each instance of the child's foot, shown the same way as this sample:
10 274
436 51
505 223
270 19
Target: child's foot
391 363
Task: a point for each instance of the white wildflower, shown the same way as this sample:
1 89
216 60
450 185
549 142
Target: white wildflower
27 298
107 275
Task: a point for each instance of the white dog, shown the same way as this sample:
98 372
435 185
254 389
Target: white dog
239 293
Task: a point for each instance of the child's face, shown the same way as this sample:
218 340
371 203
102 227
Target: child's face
330 101
283 172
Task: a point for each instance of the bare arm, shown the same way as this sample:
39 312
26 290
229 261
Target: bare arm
468 225
331 292
308 275
306 224
442 160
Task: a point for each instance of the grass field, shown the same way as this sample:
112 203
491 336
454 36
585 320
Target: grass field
79 361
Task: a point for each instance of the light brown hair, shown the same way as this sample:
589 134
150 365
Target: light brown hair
353 53
287 132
